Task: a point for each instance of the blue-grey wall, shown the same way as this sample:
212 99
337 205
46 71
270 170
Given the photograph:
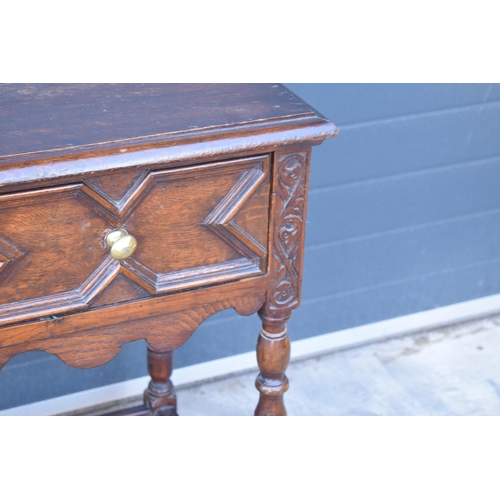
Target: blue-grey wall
404 216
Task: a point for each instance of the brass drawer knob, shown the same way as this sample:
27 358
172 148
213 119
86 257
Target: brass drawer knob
121 243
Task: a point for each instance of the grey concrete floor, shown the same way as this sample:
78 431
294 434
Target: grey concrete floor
449 371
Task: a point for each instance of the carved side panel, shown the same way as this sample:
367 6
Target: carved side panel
290 186
290 179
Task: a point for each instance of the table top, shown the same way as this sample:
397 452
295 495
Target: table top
45 126
209 180
42 117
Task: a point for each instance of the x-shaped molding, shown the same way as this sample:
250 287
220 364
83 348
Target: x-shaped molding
220 221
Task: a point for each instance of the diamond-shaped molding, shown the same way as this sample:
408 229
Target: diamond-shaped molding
115 187
115 204
9 255
221 220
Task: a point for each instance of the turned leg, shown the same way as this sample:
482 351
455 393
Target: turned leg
273 356
160 395
285 273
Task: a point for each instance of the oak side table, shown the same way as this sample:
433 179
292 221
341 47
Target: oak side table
137 211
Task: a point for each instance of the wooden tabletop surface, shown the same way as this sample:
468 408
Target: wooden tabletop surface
43 117
54 133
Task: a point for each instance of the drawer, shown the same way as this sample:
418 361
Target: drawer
194 226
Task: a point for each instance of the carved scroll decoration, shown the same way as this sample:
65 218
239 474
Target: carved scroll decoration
288 239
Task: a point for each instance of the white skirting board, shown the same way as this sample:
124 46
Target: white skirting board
301 349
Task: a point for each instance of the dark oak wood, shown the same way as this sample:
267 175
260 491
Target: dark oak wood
90 339
160 397
211 180
48 117
285 270
222 209
185 124
273 356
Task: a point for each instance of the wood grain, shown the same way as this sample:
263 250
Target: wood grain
273 356
183 220
119 290
287 236
114 188
160 396
113 128
29 336
88 346
289 230
48 117
210 179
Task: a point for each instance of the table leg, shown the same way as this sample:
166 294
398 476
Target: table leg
160 395
285 273
273 356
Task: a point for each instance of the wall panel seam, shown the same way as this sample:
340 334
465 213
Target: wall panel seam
401 229
413 116
412 173
400 281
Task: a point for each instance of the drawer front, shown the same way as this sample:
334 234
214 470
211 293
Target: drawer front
194 226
